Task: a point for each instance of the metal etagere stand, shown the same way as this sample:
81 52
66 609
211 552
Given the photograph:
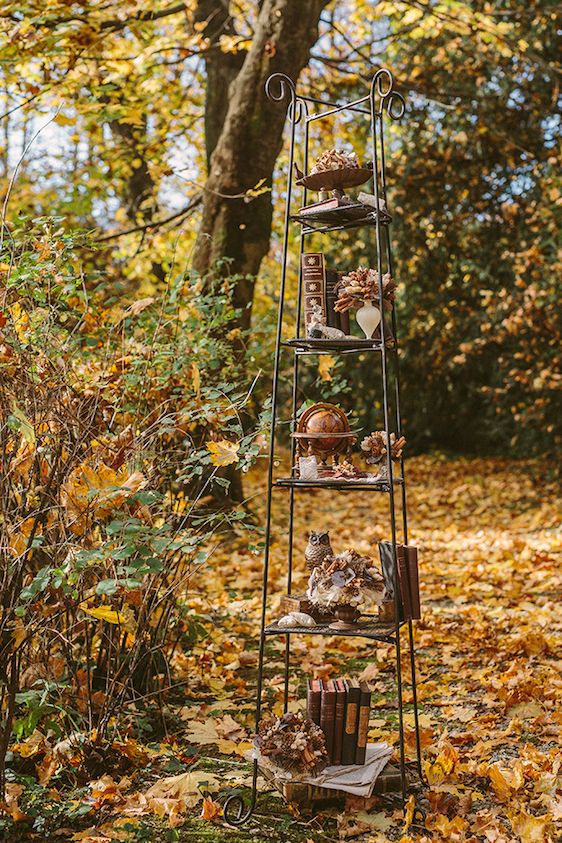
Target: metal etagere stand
383 102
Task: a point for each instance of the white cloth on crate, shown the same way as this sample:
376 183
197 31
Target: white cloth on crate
358 779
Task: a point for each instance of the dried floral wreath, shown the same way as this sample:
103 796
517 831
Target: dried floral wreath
293 743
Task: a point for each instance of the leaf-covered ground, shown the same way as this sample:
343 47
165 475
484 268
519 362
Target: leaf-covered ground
488 660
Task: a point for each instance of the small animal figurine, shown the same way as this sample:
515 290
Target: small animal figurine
317 328
317 549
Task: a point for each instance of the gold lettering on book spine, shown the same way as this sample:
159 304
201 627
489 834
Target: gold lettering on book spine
363 726
350 720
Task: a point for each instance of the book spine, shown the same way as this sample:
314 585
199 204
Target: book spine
325 205
387 566
413 570
343 318
313 279
350 731
363 724
328 716
339 721
388 781
332 318
404 578
313 699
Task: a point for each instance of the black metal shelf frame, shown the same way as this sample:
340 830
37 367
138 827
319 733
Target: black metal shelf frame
382 102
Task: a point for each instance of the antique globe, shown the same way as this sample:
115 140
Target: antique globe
323 429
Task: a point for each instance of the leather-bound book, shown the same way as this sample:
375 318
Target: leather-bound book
340 719
351 721
387 565
307 795
388 781
313 700
328 715
413 570
323 205
363 723
301 603
313 280
404 578
330 295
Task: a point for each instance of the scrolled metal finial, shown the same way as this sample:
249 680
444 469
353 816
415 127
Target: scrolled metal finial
279 87
395 105
285 84
382 85
235 803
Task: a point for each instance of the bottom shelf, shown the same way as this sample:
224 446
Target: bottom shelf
370 628
303 794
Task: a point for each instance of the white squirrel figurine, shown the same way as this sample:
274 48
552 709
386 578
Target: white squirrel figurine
317 325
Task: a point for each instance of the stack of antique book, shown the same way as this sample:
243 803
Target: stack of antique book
341 708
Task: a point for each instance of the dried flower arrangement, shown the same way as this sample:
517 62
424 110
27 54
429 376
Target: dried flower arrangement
362 284
345 579
293 743
374 446
335 159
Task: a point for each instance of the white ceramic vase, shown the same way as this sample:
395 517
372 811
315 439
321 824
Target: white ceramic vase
368 318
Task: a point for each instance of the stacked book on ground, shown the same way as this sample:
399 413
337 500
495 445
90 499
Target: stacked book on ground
375 777
341 708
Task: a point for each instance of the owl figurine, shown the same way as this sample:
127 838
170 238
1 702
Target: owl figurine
317 549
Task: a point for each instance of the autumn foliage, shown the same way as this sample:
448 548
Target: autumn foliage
135 402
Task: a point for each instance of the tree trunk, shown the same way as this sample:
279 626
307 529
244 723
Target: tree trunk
139 197
249 142
244 134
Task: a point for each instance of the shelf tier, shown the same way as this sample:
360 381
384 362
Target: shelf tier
315 226
303 345
336 483
374 629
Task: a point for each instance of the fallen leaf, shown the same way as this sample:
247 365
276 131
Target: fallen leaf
202 732
210 810
530 829
506 779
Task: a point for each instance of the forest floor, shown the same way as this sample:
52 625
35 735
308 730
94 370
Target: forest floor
488 661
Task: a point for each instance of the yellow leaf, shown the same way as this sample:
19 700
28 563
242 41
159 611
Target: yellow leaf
409 813
20 320
202 733
65 120
104 613
223 452
184 787
443 764
529 828
210 809
26 426
196 375
325 365
506 779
